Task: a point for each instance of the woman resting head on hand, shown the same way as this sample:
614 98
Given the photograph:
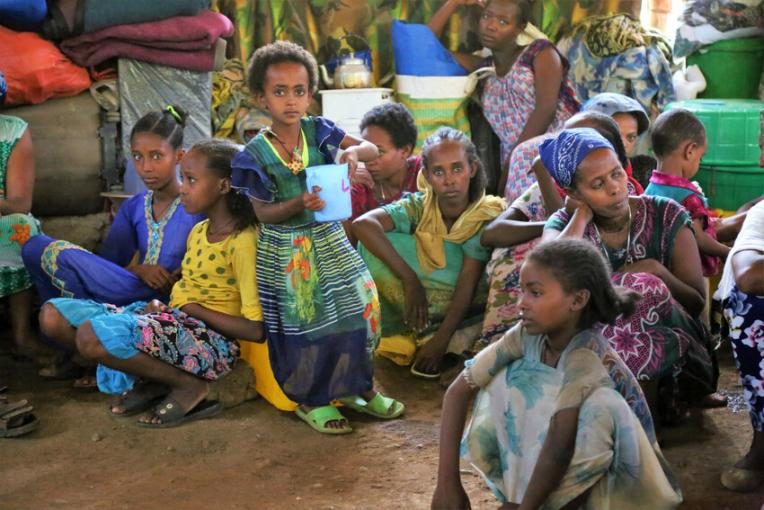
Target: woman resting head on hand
649 243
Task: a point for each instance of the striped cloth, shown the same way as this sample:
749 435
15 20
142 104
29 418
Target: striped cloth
321 311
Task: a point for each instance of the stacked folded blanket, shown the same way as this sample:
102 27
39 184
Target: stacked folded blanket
184 42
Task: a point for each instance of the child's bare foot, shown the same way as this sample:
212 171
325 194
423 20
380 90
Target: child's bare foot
87 381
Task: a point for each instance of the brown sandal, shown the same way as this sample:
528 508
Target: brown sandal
16 418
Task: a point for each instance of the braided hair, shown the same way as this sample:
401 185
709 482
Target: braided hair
219 154
167 123
578 265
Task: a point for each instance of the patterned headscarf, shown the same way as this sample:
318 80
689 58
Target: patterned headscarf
562 155
3 88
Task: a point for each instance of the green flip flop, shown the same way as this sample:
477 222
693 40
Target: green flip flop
320 416
380 406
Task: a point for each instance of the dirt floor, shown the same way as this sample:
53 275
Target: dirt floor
255 457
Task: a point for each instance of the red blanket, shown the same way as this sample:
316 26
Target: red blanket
186 42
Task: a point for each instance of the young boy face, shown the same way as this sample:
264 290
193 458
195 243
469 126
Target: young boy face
694 154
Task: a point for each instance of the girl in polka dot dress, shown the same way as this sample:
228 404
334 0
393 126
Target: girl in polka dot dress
149 352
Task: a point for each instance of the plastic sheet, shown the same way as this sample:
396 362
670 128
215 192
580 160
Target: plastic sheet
36 70
419 53
144 87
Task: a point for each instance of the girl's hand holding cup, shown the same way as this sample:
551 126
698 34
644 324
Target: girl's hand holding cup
311 200
351 158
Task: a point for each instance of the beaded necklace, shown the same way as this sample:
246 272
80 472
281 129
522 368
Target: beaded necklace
295 163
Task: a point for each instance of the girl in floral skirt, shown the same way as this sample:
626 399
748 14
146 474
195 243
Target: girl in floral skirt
320 304
173 350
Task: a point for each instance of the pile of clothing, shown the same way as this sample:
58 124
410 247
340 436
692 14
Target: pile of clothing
616 53
55 48
178 34
705 22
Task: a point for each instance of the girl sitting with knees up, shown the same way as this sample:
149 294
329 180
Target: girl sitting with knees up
423 248
560 421
164 354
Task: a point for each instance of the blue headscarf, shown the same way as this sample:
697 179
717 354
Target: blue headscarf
562 155
3 88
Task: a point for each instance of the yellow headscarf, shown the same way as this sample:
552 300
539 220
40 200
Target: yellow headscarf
432 232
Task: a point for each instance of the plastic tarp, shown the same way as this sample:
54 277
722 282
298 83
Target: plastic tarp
144 87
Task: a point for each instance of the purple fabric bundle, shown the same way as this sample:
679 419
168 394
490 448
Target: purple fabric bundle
185 42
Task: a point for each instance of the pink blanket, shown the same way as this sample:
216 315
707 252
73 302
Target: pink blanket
186 42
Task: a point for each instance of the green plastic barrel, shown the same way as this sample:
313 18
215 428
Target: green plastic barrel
732 68
732 129
729 187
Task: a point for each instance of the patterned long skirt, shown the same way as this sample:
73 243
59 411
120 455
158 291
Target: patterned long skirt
745 316
321 312
173 337
501 311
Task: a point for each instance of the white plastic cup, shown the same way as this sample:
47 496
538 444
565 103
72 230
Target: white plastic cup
335 191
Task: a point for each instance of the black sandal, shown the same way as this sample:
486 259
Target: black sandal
172 414
139 399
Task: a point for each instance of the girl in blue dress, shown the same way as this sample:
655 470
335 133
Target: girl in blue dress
152 351
140 259
141 255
